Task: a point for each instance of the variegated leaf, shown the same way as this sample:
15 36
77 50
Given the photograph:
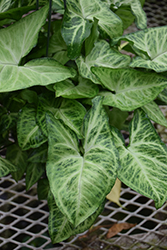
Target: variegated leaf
59 226
154 113
39 155
19 159
144 161
35 72
29 133
163 95
71 112
43 189
17 37
13 76
78 22
84 89
151 47
136 8
5 5
132 88
33 173
59 6
6 167
101 55
74 179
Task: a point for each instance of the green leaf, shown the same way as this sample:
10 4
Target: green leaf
73 178
33 173
71 112
89 42
78 22
19 43
124 12
28 132
29 95
125 83
6 167
84 89
137 11
19 159
154 113
144 161
146 45
16 13
36 72
56 42
59 6
74 31
5 5
61 57
101 55
39 154
43 189
8 121
117 117
60 228
163 95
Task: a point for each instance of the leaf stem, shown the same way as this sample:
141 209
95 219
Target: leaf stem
37 4
49 25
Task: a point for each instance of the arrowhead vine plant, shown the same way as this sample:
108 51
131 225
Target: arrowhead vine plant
66 90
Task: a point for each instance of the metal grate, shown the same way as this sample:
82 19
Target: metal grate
23 219
23 222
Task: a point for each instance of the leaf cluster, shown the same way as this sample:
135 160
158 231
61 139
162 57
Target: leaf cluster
62 115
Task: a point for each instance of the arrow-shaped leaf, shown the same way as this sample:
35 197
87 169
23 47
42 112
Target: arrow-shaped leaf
80 183
22 36
33 173
144 161
78 19
71 112
151 47
101 55
59 226
6 167
132 88
35 72
124 12
28 132
84 89
154 113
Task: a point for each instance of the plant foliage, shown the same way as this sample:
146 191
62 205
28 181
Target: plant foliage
66 90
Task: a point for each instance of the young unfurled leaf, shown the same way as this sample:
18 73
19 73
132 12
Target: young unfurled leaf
114 194
73 178
143 162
